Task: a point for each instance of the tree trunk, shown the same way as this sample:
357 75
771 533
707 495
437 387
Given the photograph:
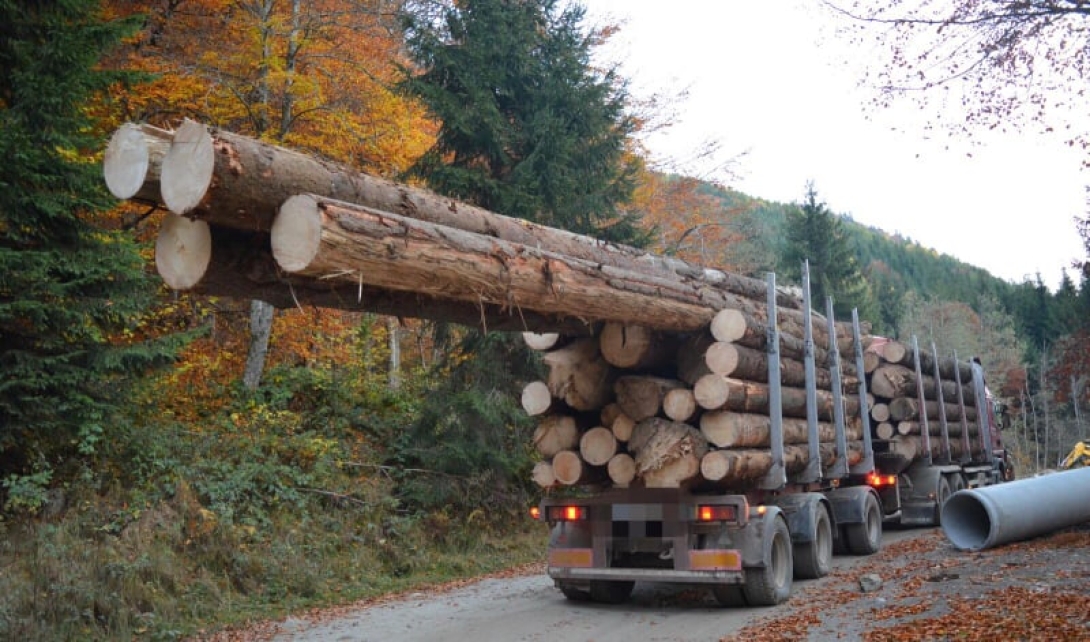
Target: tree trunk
571 470
898 353
579 375
679 404
555 433
536 398
543 475
393 373
690 357
183 251
716 391
541 341
641 396
741 362
597 446
738 465
880 412
622 470
911 447
884 430
635 347
908 408
237 181
953 428
133 161
622 427
727 429
667 453
261 319
892 380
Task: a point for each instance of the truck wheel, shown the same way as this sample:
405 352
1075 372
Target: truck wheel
610 591
942 493
730 595
771 584
813 559
957 482
574 594
865 538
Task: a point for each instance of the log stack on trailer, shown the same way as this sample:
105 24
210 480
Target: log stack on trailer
717 419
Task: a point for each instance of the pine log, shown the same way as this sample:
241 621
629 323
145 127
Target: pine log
543 475
871 362
892 380
728 429
237 181
597 446
716 391
741 362
740 465
541 341
571 470
641 396
908 408
953 428
911 447
667 453
536 398
622 470
880 412
609 414
133 161
690 357
622 427
350 243
635 347
579 375
183 251
736 326
242 267
884 430
555 433
679 404
898 353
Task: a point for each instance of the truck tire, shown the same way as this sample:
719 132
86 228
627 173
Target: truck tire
865 538
957 482
942 493
730 595
771 585
813 559
574 594
610 591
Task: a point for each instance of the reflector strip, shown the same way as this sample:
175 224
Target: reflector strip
715 560
571 557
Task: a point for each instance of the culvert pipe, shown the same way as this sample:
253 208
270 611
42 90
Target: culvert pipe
981 518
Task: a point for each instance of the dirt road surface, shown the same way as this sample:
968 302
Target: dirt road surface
527 607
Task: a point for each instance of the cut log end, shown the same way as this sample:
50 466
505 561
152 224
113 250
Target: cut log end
622 470
125 163
543 474
536 398
187 168
541 340
728 325
297 233
183 251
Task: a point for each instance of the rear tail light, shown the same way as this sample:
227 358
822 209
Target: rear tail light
535 512
566 513
716 513
878 481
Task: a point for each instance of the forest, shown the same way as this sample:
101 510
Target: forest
171 463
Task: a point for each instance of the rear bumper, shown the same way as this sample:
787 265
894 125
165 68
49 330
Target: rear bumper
645 575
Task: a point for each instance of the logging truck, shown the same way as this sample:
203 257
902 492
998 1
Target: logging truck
691 429
775 494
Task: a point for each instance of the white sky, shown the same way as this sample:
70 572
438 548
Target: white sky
769 77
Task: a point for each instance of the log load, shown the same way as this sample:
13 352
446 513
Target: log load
908 408
236 181
579 375
716 391
641 396
667 453
892 380
739 465
727 429
636 347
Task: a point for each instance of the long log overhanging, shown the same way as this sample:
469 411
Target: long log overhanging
236 181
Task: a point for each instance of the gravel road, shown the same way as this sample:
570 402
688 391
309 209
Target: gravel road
529 608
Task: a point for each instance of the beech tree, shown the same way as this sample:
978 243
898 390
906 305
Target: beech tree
71 290
989 65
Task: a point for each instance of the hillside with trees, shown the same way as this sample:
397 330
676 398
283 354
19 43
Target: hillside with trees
171 462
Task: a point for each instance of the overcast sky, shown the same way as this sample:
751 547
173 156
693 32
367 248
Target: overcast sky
769 77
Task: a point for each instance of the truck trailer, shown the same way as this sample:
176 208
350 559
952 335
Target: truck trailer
748 539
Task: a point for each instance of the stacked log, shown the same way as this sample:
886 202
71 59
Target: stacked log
903 404
657 368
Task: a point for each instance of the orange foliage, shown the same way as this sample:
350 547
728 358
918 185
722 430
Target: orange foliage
688 223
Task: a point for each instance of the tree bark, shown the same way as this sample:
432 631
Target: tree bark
907 408
728 429
735 326
261 318
579 375
892 380
236 181
635 347
716 391
739 465
641 396
555 433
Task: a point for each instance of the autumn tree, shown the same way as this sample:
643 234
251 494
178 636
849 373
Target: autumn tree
989 65
528 128
70 289
815 234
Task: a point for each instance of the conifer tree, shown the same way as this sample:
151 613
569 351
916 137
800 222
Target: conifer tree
68 287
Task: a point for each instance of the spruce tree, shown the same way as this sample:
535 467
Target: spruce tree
528 128
817 235
68 287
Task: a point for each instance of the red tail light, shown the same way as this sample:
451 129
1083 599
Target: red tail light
713 513
877 481
567 513
535 512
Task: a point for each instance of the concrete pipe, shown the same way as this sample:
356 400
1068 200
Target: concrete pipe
981 518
